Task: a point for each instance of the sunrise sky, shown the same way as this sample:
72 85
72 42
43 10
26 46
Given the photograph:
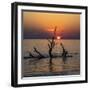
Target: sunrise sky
40 25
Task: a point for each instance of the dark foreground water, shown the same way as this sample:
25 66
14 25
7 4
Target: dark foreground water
58 66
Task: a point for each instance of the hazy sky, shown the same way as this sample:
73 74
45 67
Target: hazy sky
38 25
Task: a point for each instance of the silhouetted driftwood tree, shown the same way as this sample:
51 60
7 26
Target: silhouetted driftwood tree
39 55
51 43
51 46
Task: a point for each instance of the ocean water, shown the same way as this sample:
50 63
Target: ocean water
58 65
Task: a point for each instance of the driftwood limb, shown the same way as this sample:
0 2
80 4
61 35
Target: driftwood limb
48 56
49 40
65 52
31 55
49 45
35 50
55 31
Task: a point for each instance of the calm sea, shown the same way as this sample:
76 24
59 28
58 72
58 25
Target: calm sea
59 65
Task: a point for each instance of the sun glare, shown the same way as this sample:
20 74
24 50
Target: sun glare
58 37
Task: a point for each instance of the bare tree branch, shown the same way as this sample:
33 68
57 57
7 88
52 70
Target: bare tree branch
49 40
35 50
49 45
30 54
65 52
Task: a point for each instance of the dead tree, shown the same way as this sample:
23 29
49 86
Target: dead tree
65 52
51 43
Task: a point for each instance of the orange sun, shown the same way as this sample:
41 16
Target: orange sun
58 37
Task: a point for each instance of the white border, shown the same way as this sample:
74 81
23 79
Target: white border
30 80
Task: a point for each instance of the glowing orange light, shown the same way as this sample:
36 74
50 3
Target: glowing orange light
50 29
58 37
